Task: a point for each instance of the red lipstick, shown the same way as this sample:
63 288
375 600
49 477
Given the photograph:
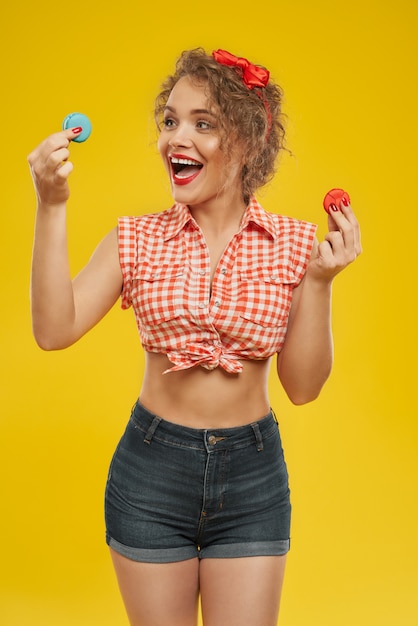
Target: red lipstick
184 169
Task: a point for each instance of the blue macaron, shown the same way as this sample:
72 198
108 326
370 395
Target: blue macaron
73 120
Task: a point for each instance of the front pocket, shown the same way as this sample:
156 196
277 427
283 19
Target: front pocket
157 292
265 294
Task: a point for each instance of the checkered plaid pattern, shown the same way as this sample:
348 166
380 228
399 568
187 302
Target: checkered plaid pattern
242 315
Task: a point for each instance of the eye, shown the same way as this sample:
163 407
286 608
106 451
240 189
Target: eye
168 122
204 125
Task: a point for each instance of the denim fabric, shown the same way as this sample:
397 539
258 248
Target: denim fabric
175 493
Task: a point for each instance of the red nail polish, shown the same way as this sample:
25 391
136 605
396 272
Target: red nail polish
345 201
77 130
334 207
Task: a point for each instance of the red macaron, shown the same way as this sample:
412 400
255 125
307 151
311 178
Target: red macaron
334 196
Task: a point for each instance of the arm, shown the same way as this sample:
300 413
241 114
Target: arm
305 361
64 309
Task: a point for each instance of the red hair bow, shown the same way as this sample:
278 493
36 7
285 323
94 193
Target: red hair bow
252 75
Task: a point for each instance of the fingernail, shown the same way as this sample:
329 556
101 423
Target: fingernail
77 130
345 201
334 207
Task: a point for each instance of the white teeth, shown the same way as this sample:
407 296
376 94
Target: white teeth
184 161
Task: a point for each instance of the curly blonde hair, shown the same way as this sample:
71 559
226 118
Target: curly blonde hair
243 114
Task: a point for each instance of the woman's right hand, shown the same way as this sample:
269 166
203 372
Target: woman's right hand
50 168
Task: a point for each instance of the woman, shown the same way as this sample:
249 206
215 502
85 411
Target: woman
197 498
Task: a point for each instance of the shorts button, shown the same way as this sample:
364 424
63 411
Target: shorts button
212 440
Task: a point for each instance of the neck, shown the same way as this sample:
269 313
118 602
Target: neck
220 215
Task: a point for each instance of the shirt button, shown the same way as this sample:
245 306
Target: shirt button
217 303
201 305
202 272
223 271
273 277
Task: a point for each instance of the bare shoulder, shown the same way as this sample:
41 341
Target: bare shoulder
105 258
108 246
99 284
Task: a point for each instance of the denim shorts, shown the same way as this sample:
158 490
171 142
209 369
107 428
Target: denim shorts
174 493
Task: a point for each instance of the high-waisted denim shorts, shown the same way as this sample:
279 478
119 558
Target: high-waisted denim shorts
175 493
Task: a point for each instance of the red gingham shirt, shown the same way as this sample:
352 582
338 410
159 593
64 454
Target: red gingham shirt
166 278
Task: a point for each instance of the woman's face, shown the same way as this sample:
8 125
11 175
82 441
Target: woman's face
189 145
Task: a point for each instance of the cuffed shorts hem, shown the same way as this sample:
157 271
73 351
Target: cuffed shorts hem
155 555
239 550
221 551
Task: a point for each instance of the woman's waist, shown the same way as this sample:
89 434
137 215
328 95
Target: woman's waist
179 435
202 398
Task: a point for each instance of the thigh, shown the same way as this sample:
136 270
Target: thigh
157 594
241 592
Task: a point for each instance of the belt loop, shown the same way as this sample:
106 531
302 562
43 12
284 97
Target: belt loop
258 436
151 430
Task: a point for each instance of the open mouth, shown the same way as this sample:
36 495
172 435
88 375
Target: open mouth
184 170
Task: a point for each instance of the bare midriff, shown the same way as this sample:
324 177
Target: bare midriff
201 398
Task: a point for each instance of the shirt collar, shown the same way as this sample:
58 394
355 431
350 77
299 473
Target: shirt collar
179 216
256 214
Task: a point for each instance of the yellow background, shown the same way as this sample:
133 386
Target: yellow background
349 71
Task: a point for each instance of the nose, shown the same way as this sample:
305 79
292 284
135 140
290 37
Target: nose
180 137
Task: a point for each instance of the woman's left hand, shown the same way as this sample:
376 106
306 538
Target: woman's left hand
341 246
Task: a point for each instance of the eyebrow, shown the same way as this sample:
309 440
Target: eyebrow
193 111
